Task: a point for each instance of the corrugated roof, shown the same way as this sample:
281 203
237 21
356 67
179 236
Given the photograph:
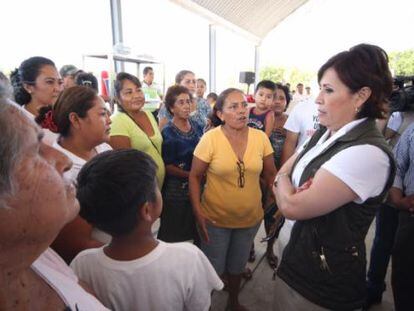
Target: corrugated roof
255 18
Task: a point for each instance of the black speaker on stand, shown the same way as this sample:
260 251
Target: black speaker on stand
248 78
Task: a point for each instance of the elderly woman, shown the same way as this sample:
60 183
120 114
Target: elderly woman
31 215
232 156
199 106
80 118
133 127
37 84
180 137
334 184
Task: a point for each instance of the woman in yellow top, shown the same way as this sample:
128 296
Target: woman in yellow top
233 157
133 127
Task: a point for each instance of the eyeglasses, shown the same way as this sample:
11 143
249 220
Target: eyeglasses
241 169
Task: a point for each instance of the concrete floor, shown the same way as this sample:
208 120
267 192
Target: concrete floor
256 294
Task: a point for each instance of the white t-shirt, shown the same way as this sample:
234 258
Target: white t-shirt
174 276
365 175
54 271
78 162
303 120
152 95
296 99
395 121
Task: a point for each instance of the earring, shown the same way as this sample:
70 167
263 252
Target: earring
357 109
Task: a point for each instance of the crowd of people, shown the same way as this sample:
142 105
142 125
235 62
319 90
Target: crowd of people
81 188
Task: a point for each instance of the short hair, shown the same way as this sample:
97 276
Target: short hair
11 143
87 79
213 96
285 89
27 73
266 84
299 84
119 81
220 104
180 75
200 80
6 90
172 93
147 70
364 65
113 186
77 99
68 70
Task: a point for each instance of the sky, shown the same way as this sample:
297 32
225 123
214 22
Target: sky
65 30
322 28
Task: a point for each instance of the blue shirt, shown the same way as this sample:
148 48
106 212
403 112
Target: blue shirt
404 156
199 116
178 146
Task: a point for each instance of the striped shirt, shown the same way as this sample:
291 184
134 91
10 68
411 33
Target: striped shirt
404 156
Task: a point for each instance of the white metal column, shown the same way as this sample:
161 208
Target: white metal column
256 65
212 57
117 35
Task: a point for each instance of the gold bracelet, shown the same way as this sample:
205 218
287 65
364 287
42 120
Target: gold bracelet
278 176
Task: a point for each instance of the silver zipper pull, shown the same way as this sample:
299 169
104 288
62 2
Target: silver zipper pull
324 264
354 251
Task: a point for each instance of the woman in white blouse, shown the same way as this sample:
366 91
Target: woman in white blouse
330 188
82 122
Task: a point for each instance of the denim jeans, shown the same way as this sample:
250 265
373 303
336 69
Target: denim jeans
229 249
385 228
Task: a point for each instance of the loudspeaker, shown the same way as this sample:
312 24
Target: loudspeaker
246 77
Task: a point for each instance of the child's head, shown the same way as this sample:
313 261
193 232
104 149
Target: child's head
263 94
201 87
211 99
117 189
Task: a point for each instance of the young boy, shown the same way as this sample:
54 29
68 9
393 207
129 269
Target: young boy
211 99
261 117
118 194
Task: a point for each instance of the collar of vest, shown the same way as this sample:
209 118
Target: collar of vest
355 133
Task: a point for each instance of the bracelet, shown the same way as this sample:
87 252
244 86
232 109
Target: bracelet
278 176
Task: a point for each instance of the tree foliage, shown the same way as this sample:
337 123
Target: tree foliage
284 75
402 62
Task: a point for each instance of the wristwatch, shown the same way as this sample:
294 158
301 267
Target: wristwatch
278 176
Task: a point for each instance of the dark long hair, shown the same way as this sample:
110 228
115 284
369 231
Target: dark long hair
27 73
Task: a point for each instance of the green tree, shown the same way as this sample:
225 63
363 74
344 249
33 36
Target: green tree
297 76
291 75
275 74
402 62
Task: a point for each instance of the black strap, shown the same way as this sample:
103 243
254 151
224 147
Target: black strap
159 152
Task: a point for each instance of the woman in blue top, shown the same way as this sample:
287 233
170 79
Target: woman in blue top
180 137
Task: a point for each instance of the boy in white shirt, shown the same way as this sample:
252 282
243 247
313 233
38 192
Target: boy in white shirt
118 194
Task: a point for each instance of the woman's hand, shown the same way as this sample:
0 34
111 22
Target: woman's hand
406 203
305 185
197 173
202 222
